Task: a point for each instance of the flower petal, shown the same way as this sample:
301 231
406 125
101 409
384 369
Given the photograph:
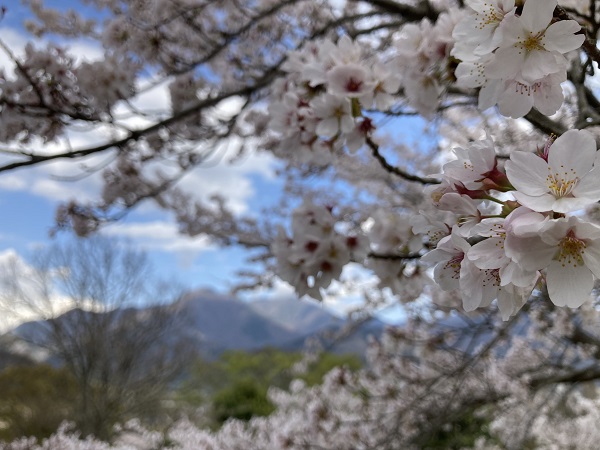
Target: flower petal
574 153
537 14
561 37
540 203
569 285
527 172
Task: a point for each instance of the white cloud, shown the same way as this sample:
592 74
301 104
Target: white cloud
35 307
162 236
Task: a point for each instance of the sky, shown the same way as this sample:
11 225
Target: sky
29 197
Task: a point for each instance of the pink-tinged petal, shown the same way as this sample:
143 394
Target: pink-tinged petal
527 172
585 230
531 253
459 242
328 127
512 31
591 257
488 254
548 98
489 93
458 204
589 186
556 229
538 64
476 286
506 64
447 276
570 204
561 37
574 151
516 101
513 273
540 203
537 14
569 285
523 222
509 303
347 124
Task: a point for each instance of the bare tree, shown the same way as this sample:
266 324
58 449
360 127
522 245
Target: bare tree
116 337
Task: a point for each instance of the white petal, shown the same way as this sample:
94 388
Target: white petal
591 257
574 150
560 36
506 63
488 254
569 286
537 14
540 203
515 101
328 127
527 172
538 64
489 93
589 186
531 253
548 98
570 204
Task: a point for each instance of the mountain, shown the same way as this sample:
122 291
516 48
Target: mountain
299 316
212 323
226 323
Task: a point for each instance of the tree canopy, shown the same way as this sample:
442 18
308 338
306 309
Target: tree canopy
485 226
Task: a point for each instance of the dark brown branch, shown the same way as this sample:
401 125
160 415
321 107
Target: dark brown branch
394 256
395 170
544 123
410 13
137 134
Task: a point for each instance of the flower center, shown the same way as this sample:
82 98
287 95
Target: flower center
491 16
353 85
561 185
571 250
454 265
491 277
532 42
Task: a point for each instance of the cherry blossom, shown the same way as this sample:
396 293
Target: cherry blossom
532 47
565 181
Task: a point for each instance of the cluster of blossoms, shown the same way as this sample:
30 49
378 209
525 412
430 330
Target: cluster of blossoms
515 55
531 234
318 106
316 253
424 62
84 91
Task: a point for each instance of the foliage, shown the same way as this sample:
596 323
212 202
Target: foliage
100 338
236 385
35 400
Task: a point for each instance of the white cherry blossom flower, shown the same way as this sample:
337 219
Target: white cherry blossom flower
568 181
491 253
531 48
448 257
546 95
335 114
479 33
575 260
472 164
349 80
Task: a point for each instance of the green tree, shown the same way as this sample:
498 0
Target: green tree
236 385
35 400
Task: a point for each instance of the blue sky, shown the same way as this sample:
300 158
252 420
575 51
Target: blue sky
29 197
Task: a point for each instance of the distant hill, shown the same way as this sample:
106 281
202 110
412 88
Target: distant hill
213 323
298 316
